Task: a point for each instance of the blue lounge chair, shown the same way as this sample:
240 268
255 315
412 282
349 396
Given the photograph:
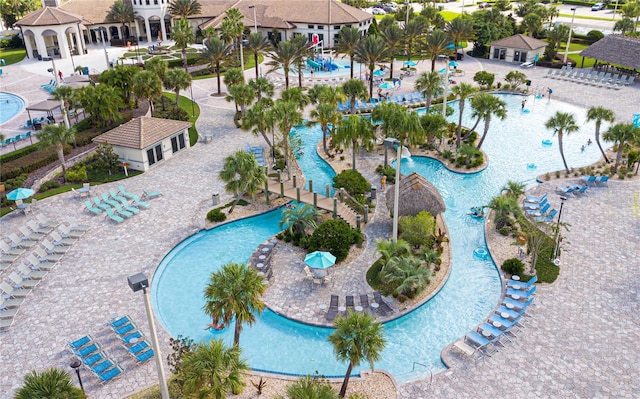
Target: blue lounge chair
513 314
109 374
94 359
111 215
341 107
588 179
125 329
536 205
496 333
477 339
548 218
517 305
139 347
122 200
144 356
539 212
157 193
101 204
129 337
120 322
373 102
579 190
79 343
133 197
508 324
602 179
118 207
564 189
103 366
522 293
534 199
87 350
521 285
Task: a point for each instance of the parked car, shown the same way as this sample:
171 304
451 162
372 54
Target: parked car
597 7
392 4
379 5
484 5
378 11
390 10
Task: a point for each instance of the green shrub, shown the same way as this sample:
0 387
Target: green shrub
546 271
335 236
171 112
30 162
77 174
19 153
216 215
177 63
594 35
484 79
48 185
388 171
352 181
513 266
505 230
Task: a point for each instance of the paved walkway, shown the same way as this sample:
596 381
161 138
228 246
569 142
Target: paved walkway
583 344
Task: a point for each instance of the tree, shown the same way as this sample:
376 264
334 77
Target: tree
177 80
285 115
370 51
430 85
303 50
12 10
58 136
325 114
394 39
284 55
216 51
262 87
460 29
354 89
147 85
406 275
105 158
462 91
515 79
259 120
232 77
298 218
121 77
624 25
600 114
50 383
513 189
388 249
103 102
555 36
417 230
182 34
257 44
412 32
346 43
212 370
355 132
160 68
184 8
357 337
234 291
532 24
632 10
242 95
485 106
434 124
122 12
67 95
484 79
622 134
399 123
435 44
308 387
242 175
562 123
502 207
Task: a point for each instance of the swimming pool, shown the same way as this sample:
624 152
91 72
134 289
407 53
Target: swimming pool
11 105
314 167
415 341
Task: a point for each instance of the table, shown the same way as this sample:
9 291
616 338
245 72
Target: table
262 257
342 309
509 306
516 297
374 305
323 307
358 309
134 340
497 324
260 265
486 333
505 315
515 278
266 249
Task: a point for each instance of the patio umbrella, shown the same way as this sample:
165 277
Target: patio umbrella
378 72
453 64
442 70
410 63
386 85
320 260
20 194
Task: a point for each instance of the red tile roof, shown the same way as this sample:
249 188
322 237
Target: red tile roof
142 132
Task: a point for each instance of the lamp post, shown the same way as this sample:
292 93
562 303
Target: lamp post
406 19
139 282
73 64
566 52
391 142
557 248
615 11
445 95
255 21
75 364
104 44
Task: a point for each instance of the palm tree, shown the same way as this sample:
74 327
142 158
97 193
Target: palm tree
232 77
284 55
624 25
412 31
434 124
216 51
67 96
308 387
632 10
502 207
242 175
354 89
298 218
460 29
325 114
430 84
370 51
407 274
485 106
297 96
184 8
256 45
242 95
513 189
400 123
50 383
394 38
177 80
147 85
599 114
212 370
346 43
232 28
259 121
462 91
103 102
58 136
357 337
262 87
622 134
532 23
122 12
435 44
389 249
355 132
561 123
159 67
234 291
182 34
285 115
319 94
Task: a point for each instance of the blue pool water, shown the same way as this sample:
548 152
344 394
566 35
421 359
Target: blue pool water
415 341
10 106
314 167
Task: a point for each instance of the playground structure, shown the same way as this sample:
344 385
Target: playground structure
322 64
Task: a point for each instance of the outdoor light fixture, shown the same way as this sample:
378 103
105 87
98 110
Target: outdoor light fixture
566 51
139 282
555 258
75 364
255 21
391 142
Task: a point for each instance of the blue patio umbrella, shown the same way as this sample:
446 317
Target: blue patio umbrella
636 120
20 194
453 64
442 70
410 63
320 260
378 72
386 85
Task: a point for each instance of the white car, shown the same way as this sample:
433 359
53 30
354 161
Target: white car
597 7
527 65
378 11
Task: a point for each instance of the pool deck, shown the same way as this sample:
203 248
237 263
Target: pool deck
581 341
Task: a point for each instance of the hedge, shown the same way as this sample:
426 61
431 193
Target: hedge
30 162
176 63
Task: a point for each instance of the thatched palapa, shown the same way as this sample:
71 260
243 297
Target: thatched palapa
416 194
616 49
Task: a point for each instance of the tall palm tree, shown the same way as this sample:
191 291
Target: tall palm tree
562 123
346 43
212 370
303 49
370 51
58 136
242 175
49 383
182 34
298 218
147 85
286 115
513 189
355 132
232 77
177 80
308 387
400 123
232 28
319 94
460 29
600 114
297 96
394 38
434 124
357 337
215 51
430 84
632 10
256 45
259 120
159 67
242 95
67 96
262 87
122 12
234 291
532 24
325 114
184 8
435 44
624 25
485 106
284 55
354 89
462 91
622 134
412 32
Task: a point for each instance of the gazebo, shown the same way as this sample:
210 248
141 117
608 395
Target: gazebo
416 194
616 49
47 106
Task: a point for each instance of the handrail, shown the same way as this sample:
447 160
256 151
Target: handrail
414 366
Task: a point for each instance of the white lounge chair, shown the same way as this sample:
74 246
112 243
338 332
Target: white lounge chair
44 256
54 249
20 242
20 282
39 229
61 241
29 235
11 253
12 292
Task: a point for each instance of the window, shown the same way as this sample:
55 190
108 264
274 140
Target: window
310 26
336 27
151 157
181 140
155 2
320 27
159 152
147 2
174 144
154 154
499 53
177 143
349 26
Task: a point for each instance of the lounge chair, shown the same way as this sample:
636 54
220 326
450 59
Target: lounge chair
350 305
478 339
332 313
133 197
12 292
113 216
94 358
465 348
522 293
579 190
517 305
61 241
53 248
120 322
564 189
588 179
45 221
512 314
125 329
383 307
144 356
37 264
118 207
539 212
37 228
534 199
44 256
114 194
521 285
136 335
80 342
548 218
20 282
29 273
139 347
102 366
630 81
536 205
8 313
66 232
6 323
364 302
87 350
10 303
20 242
602 179
110 374
12 253
495 332
506 323
89 206
75 227
151 194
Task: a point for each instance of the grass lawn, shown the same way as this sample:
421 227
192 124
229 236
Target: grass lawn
185 104
586 17
13 56
449 15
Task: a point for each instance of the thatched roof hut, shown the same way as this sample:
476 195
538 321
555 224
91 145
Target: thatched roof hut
615 49
416 194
